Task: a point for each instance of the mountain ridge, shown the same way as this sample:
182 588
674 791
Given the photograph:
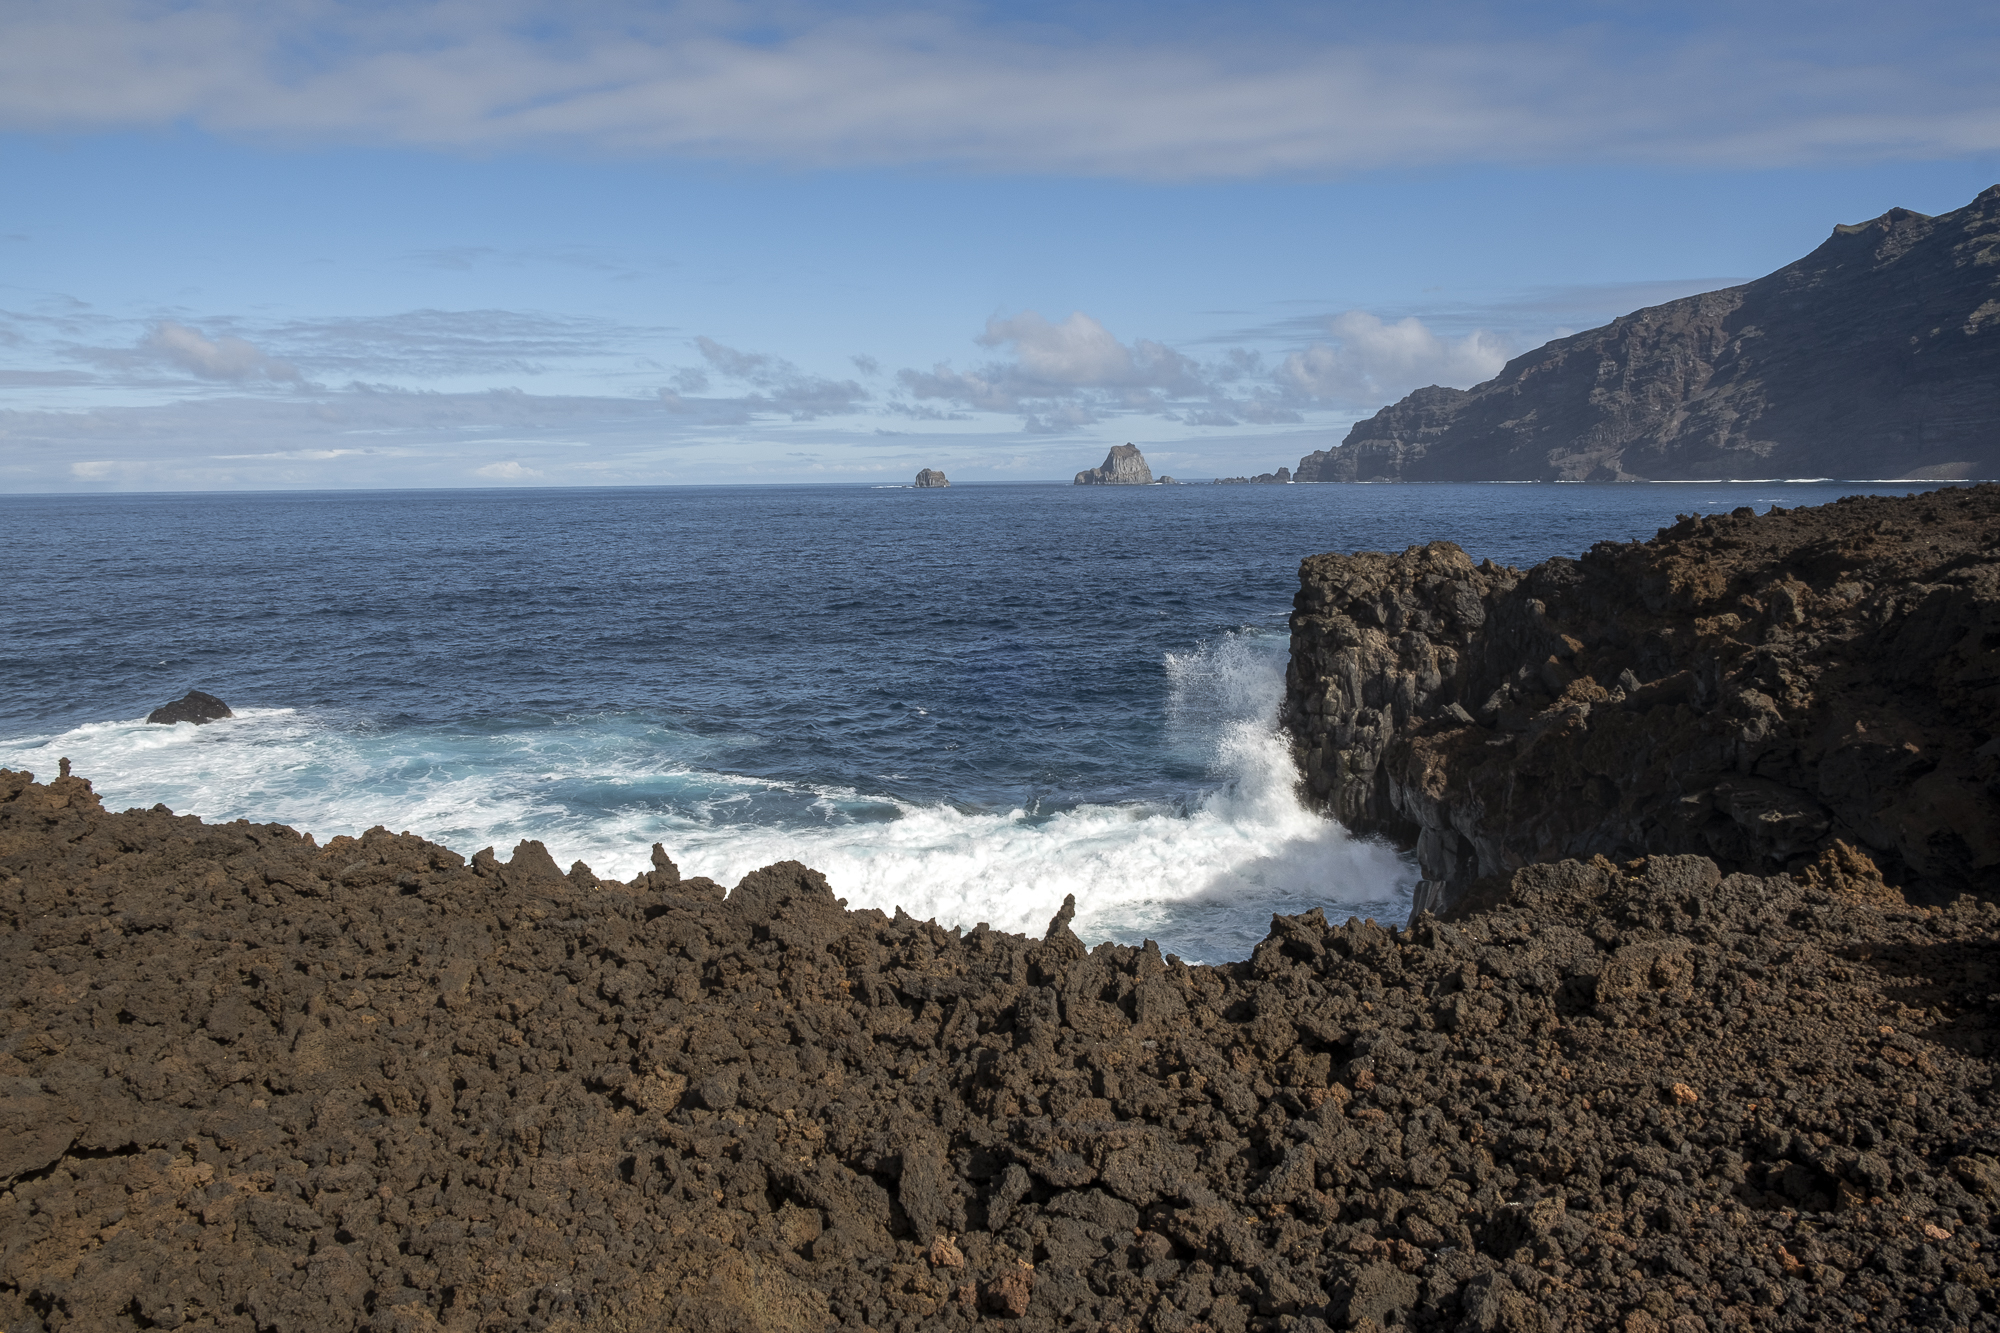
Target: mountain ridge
1876 355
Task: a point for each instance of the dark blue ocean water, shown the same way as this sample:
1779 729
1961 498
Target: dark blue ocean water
965 702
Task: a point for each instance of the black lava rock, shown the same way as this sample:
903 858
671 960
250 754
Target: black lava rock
194 706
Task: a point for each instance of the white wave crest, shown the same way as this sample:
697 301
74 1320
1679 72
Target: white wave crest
1202 877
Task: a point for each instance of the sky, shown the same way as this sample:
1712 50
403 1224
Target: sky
310 244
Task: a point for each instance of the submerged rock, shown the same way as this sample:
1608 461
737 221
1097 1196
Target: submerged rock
194 706
1752 688
250 1082
930 478
1123 466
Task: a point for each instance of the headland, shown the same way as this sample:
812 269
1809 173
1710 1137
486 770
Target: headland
1877 355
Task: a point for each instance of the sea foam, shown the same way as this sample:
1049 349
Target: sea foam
1202 875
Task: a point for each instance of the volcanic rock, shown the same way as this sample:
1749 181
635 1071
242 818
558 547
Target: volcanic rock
1756 689
194 706
1877 355
1282 477
249 1082
1123 466
930 478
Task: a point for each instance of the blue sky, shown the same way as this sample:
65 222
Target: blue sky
334 244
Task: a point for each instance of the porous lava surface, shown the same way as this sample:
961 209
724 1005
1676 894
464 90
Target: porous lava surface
1750 687
247 1081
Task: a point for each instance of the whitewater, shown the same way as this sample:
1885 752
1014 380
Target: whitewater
1202 874
965 703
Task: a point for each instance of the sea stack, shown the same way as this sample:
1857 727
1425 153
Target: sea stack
930 478
194 706
1123 466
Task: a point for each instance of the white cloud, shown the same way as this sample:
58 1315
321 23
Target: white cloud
92 470
1371 362
224 358
1077 351
1056 365
509 471
1166 96
1066 375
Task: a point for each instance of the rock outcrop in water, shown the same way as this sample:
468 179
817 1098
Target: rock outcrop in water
1282 477
930 478
1123 466
1877 355
1751 688
248 1082
194 706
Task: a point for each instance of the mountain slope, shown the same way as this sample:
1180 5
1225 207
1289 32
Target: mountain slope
1877 355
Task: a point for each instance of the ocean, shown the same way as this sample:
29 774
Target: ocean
965 703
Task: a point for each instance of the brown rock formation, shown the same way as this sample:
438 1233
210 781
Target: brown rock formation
1877 355
931 479
1752 688
247 1082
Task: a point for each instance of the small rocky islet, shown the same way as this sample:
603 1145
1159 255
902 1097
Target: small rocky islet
1123 466
1740 1080
195 707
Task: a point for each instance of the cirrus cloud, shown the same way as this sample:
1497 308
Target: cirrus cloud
779 386
1163 93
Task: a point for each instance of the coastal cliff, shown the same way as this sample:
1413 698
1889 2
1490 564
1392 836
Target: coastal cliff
250 1082
1877 355
1750 688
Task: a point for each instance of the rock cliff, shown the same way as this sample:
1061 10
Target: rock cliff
1752 688
248 1082
930 478
1123 466
1877 355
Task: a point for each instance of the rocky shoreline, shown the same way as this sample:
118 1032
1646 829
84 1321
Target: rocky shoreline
256 1083
1751 688
250 1082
